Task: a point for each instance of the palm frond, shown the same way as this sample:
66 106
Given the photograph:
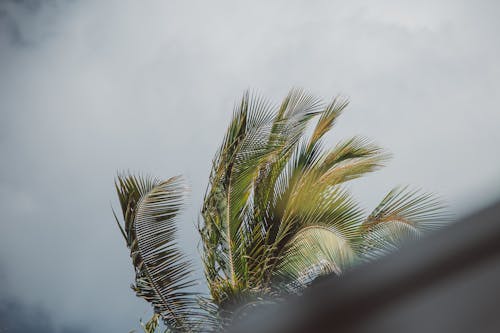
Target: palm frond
317 205
314 171
163 274
327 120
256 146
350 159
289 126
152 324
403 214
274 206
312 252
275 211
332 207
249 141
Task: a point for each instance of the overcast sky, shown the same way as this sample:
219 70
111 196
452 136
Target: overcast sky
91 87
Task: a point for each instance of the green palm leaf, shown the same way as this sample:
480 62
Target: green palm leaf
257 141
163 275
402 215
312 252
318 234
276 214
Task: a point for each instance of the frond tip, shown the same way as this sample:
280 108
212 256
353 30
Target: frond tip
403 214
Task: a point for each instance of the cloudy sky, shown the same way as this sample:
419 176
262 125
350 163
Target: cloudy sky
91 87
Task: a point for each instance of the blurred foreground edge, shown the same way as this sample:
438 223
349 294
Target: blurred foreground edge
447 282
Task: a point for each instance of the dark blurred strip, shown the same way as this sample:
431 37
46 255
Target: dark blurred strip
447 282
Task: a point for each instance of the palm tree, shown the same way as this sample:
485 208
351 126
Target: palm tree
276 215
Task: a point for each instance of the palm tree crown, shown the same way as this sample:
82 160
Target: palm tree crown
275 216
